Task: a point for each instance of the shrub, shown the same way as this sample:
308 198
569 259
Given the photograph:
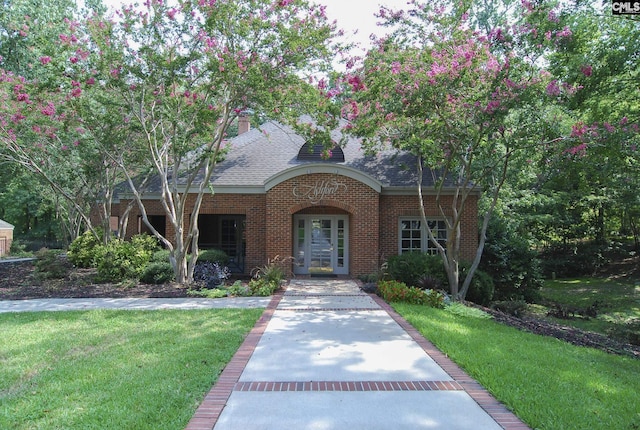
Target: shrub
82 251
394 291
262 287
481 288
50 264
213 256
160 256
210 275
513 265
120 260
411 267
239 289
158 272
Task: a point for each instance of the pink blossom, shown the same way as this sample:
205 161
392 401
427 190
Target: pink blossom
356 83
23 97
17 117
624 120
45 59
115 72
609 127
578 129
580 150
553 89
566 32
73 60
395 67
172 14
283 3
76 92
91 81
586 70
48 110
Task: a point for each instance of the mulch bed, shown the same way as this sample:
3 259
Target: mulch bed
18 281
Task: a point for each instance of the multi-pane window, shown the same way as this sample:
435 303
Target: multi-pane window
415 238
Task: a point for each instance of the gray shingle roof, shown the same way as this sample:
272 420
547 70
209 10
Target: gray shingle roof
260 153
5 225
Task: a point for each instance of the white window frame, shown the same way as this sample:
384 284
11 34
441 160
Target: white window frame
417 239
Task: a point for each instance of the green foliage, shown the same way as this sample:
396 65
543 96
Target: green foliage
510 261
121 260
481 288
161 256
239 289
208 293
394 291
263 287
158 272
50 264
274 271
575 259
82 251
213 256
411 268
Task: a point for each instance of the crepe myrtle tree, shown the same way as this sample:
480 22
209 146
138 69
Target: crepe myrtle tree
60 124
463 101
184 71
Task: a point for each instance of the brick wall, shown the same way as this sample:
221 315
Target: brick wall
354 198
373 219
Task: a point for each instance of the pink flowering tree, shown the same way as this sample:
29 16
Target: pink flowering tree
462 100
57 123
180 74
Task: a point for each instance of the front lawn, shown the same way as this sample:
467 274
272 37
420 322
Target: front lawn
113 369
548 383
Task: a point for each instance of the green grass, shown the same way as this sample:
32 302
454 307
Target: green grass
548 383
113 369
619 302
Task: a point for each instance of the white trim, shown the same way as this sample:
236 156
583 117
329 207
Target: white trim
312 168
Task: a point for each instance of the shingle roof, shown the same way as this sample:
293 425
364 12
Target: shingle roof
5 225
260 153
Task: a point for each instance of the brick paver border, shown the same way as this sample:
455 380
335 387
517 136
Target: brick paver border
214 402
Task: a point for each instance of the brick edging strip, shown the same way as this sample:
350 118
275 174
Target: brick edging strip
209 411
503 416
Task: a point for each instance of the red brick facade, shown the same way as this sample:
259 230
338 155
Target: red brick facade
373 217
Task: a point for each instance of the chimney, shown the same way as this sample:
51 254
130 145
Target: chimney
244 123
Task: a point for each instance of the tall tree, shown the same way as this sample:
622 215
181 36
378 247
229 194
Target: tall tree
462 100
184 71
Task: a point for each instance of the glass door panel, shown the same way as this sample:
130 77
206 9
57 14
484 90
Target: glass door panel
321 246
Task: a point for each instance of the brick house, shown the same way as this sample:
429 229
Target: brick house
274 195
6 237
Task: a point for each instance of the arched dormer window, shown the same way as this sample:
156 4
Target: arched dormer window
315 152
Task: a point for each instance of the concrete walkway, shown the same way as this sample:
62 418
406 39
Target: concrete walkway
324 355
39 305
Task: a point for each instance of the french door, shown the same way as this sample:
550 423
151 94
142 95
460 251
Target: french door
321 244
